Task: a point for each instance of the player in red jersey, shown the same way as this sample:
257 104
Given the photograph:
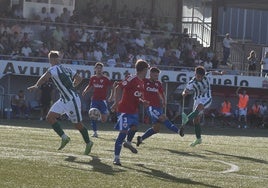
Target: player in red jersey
100 85
154 93
127 106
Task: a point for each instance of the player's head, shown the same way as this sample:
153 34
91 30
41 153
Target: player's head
154 73
199 73
141 67
98 67
53 57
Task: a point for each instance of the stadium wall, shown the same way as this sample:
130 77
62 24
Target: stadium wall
18 75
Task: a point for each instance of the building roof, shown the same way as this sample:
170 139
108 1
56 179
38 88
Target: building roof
247 4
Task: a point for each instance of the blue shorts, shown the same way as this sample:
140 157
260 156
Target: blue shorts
101 105
125 121
153 113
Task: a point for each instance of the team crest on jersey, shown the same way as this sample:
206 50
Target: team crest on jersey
124 83
101 80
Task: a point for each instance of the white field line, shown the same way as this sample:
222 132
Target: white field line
14 153
233 167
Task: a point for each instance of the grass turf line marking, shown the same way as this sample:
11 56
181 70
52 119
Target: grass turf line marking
234 168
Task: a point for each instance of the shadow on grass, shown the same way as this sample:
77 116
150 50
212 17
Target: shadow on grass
96 163
186 154
167 177
239 157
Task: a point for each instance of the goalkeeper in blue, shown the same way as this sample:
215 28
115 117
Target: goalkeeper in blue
199 85
154 93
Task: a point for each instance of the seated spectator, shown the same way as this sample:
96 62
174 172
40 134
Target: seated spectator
207 64
254 115
98 54
174 111
263 112
52 15
65 15
43 15
19 105
26 51
43 52
225 111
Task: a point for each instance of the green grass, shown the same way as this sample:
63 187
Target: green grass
228 157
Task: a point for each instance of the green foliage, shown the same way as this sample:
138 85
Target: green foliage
228 157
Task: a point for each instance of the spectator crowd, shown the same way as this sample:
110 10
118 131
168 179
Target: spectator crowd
98 34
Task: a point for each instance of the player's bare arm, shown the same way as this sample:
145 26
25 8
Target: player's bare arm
44 78
117 97
217 72
86 90
111 97
237 91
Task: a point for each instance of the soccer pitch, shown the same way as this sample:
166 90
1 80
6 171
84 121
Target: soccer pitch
228 157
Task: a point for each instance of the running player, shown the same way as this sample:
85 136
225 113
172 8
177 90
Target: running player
154 93
200 85
69 103
127 106
100 85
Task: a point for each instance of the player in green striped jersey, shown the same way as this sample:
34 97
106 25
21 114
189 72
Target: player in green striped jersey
65 79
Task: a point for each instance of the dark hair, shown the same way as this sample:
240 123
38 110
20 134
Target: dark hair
141 65
200 70
155 69
98 64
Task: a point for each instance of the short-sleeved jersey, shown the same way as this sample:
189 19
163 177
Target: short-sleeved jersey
100 85
132 92
152 89
201 88
63 80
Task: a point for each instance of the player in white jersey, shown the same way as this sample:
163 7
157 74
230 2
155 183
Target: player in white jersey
65 79
200 86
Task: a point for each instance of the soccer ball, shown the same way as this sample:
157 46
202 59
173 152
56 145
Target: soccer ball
94 114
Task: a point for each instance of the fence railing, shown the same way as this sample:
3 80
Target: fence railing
198 29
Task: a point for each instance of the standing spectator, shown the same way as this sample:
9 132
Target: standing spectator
100 85
154 94
227 41
264 65
242 106
69 103
46 92
127 106
252 61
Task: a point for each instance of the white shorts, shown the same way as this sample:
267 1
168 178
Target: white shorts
206 101
243 111
71 108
